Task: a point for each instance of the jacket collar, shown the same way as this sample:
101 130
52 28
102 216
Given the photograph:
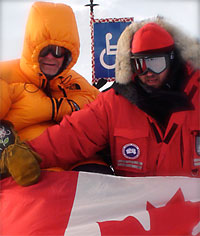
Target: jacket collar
159 104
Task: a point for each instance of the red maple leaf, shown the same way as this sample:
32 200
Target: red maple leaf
177 217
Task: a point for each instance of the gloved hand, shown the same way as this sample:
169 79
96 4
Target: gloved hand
16 158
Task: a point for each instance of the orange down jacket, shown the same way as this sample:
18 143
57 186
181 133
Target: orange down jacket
22 100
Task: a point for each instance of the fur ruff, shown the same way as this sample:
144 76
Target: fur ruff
189 47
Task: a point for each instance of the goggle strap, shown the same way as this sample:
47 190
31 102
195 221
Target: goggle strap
171 56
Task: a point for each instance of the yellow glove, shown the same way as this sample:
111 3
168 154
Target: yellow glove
16 158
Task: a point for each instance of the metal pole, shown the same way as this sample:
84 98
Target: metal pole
91 5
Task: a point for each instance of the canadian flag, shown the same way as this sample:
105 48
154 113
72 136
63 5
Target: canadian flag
88 204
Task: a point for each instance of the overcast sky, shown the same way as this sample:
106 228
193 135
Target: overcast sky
14 13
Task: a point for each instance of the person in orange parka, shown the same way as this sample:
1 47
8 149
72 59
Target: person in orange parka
35 91
38 89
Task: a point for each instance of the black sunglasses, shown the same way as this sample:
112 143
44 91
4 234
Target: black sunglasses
55 50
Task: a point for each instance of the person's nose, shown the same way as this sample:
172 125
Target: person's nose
149 73
49 55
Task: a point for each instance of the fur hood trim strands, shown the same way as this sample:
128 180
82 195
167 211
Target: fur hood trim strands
189 48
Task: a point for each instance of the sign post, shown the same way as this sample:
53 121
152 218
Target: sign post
104 36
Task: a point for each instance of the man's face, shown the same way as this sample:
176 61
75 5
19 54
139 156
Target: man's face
152 70
50 65
49 61
154 80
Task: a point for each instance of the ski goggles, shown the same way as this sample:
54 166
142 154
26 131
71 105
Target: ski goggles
55 50
155 64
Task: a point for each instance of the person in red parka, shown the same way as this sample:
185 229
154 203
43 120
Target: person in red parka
149 118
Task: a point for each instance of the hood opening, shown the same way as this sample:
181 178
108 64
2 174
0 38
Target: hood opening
66 62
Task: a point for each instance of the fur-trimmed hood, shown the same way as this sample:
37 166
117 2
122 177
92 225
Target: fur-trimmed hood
189 48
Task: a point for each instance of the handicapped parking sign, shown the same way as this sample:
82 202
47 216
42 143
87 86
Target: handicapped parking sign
106 35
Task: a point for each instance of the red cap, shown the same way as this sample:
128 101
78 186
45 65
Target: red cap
151 38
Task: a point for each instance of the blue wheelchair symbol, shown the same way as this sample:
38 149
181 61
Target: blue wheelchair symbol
106 36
